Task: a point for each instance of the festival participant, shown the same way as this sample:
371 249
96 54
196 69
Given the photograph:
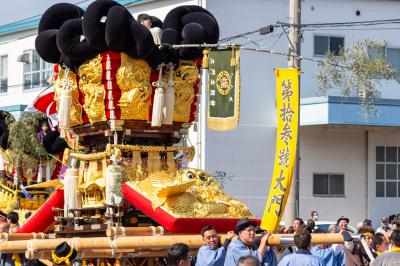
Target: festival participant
302 256
248 261
392 257
3 223
385 226
380 244
245 245
324 251
355 253
395 224
179 255
314 215
210 254
63 254
298 225
12 220
342 222
145 20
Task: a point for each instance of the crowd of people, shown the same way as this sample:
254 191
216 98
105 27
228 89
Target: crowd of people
248 245
241 247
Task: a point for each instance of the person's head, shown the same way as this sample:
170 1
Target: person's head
342 222
248 261
179 255
367 222
302 239
63 254
12 217
314 215
333 228
320 231
385 222
368 233
210 237
246 230
4 227
44 127
310 225
298 225
145 20
290 230
395 224
395 238
380 243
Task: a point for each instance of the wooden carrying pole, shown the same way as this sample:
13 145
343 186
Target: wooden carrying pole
136 231
22 236
143 242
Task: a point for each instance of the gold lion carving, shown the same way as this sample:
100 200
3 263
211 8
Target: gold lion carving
185 77
133 78
90 83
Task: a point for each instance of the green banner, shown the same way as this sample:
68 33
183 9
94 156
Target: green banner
223 89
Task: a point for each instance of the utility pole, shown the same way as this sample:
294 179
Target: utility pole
292 204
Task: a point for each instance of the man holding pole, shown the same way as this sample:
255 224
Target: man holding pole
245 245
391 257
210 254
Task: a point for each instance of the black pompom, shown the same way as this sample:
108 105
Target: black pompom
118 28
156 22
53 144
93 26
69 41
189 25
207 22
143 39
57 14
46 46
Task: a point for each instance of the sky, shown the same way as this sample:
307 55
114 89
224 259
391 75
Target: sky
14 10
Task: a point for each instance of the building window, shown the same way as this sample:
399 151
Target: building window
325 44
391 55
328 185
3 73
387 171
36 71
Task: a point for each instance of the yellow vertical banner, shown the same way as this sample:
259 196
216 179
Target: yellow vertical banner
287 110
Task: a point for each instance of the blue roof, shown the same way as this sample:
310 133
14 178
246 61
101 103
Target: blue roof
32 23
336 110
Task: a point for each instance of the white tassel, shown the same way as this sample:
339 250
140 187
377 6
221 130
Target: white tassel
40 173
114 172
1 163
169 99
48 171
158 103
64 112
71 199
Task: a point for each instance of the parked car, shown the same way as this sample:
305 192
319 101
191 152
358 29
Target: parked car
324 225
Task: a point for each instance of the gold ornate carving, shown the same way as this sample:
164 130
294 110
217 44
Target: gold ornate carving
76 107
90 83
190 193
185 77
133 78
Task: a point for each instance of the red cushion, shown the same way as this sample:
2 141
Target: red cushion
176 224
44 217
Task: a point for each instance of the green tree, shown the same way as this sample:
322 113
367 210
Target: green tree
360 70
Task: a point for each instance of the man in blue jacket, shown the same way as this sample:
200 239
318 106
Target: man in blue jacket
245 245
210 254
303 256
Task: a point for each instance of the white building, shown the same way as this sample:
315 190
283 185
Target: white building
349 166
